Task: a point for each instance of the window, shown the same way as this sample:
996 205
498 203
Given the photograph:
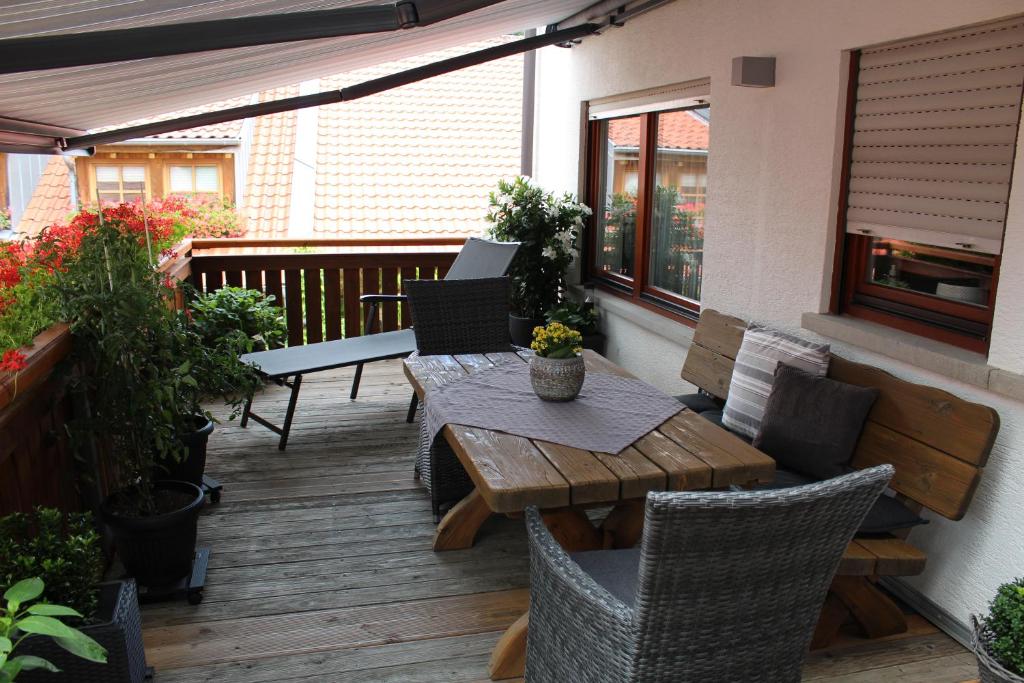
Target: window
647 176
932 131
195 180
117 184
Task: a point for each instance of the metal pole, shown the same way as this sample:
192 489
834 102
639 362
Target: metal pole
529 103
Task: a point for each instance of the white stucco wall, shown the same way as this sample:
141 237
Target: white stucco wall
773 183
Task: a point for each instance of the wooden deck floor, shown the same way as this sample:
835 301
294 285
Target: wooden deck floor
322 569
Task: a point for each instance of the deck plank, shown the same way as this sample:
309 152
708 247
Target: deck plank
322 569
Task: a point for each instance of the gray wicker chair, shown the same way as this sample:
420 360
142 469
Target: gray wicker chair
453 317
725 586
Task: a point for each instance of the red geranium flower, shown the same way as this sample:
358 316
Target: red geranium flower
13 360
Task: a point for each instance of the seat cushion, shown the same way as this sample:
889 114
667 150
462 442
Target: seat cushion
886 515
715 416
889 514
698 403
811 424
753 374
614 570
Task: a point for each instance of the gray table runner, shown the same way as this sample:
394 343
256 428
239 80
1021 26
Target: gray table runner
610 413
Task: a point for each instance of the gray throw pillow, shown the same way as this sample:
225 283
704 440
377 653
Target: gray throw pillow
754 373
811 424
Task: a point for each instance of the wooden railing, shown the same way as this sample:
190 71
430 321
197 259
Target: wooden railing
319 290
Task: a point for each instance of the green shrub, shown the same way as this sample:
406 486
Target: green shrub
581 317
63 550
244 319
1004 626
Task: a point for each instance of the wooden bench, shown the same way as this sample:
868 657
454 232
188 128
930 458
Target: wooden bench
937 442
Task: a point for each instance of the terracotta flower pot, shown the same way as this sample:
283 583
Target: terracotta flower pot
557 379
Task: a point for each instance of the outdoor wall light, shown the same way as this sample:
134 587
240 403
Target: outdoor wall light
753 72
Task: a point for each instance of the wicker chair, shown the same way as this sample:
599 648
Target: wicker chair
453 317
724 587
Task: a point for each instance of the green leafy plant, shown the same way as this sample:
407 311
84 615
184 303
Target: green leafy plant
581 317
18 622
1003 628
129 345
62 549
547 227
556 341
228 323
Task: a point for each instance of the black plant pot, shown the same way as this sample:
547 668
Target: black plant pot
157 550
595 342
521 329
190 469
118 628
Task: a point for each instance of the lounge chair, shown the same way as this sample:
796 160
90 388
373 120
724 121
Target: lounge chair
477 259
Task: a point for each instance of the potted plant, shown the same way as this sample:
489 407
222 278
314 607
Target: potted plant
581 317
547 228
999 636
141 393
64 551
21 622
557 370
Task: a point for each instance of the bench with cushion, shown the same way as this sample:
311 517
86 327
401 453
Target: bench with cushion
938 444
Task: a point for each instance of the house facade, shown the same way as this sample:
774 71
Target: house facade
782 230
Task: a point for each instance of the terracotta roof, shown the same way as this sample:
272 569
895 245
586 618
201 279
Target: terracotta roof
420 159
268 182
680 130
51 201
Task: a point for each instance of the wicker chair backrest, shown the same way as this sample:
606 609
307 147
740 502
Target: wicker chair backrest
460 316
731 584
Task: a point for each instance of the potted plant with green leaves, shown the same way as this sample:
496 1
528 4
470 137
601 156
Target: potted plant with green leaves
63 550
547 228
21 622
557 369
582 317
140 389
999 636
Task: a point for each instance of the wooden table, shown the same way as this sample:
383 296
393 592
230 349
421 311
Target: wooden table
512 472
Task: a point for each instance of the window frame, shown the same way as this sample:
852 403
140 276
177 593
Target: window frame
941 320
191 164
120 164
637 288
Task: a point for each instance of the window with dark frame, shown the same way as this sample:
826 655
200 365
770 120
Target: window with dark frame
647 183
931 138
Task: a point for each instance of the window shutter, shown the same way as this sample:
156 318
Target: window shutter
934 135
673 96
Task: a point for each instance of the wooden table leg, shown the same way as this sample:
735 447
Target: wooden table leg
834 614
874 611
458 528
572 529
508 660
624 525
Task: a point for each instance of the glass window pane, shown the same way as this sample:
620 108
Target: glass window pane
616 218
181 179
114 187
951 274
133 174
206 179
677 209
108 174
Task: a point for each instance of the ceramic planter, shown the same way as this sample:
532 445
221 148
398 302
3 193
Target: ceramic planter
989 670
557 379
118 629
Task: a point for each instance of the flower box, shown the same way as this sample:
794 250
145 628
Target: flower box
48 348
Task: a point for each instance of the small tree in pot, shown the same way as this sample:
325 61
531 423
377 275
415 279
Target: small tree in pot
547 228
999 637
141 390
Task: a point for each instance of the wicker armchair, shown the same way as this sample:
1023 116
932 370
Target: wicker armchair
724 587
453 317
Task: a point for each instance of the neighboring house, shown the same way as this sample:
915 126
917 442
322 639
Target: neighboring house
418 160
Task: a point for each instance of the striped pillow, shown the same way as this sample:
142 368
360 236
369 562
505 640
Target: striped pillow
754 373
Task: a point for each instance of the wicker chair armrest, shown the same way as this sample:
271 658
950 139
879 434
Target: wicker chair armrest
569 574
381 298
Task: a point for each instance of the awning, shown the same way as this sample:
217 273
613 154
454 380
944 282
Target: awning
64 102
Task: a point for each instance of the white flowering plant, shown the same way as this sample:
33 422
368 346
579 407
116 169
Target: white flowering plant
548 228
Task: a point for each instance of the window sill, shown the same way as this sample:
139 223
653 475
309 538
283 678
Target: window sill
672 326
943 359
